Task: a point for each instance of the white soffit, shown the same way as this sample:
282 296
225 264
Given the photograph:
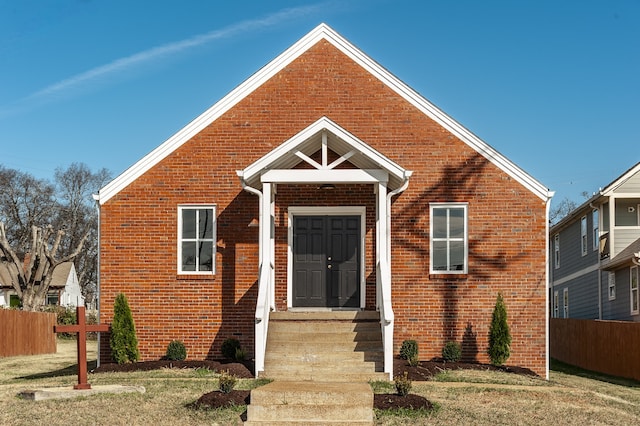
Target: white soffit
321 32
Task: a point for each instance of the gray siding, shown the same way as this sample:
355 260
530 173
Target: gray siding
571 259
620 307
630 186
583 297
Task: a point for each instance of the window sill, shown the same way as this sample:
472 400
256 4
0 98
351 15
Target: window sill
195 277
448 276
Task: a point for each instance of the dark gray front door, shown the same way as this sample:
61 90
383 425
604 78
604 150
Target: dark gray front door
326 261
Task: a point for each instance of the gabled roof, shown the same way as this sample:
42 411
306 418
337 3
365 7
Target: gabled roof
324 134
597 197
609 189
58 280
321 32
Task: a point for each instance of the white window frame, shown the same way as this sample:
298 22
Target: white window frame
583 235
634 291
181 208
556 251
595 216
464 239
556 305
611 280
565 302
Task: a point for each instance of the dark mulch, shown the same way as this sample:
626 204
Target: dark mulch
217 399
239 370
390 401
425 370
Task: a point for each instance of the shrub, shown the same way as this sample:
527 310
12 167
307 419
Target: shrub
226 382
240 355
499 335
124 343
176 351
229 348
403 384
409 351
452 352
64 316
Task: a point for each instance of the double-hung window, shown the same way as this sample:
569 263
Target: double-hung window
635 295
583 235
196 239
596 229
449 238
612 285
565 302
556 251
556 308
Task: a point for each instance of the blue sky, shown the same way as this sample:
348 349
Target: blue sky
552 85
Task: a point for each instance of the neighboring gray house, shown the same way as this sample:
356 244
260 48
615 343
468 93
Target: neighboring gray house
595 255
64 289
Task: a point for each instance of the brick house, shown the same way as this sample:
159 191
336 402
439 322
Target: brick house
324 183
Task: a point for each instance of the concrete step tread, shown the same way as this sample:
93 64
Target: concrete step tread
312 393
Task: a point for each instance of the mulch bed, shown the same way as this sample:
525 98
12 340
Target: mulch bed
239 370
424 371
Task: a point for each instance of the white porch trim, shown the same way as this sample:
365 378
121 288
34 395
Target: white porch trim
326 211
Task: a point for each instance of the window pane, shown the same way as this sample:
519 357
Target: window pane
188 256
439 223
188 223
205 225
456 223
457 255
206 252
439 256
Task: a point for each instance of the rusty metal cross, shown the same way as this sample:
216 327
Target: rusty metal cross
81 329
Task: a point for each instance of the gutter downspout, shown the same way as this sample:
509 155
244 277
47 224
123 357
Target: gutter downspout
390 195
96 198
257 192
599 265
548 288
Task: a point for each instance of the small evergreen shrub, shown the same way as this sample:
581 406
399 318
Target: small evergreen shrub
240 355
403 384
176 351
226 381
229 348
409 351
499 335
123 341
452 352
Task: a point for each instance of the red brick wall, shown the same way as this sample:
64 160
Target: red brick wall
506 222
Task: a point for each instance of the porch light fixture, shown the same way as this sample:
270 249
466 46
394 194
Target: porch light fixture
327 186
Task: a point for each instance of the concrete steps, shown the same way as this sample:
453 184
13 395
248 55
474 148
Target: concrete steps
311 403
321 363
324 346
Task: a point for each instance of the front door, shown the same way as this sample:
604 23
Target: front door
326 261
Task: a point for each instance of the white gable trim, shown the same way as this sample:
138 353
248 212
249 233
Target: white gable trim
613 186
321 32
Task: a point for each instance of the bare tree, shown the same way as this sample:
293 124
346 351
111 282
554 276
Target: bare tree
31 277
24 202
67 206
78 216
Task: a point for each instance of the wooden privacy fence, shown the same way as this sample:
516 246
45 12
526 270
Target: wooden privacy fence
609 347
26 333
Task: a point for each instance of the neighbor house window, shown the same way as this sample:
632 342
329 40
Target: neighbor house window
196 239
449 238
52 299
583 235
565 300
596 230
556 251
556 306
634 290
612 285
